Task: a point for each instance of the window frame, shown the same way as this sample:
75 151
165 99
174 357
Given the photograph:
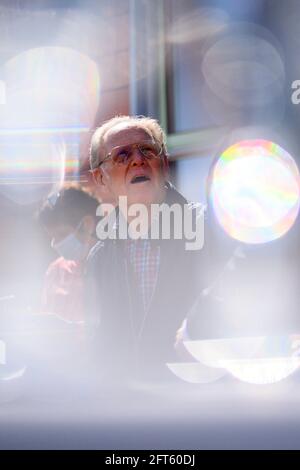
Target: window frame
180 144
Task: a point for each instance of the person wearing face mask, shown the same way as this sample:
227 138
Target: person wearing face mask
69 218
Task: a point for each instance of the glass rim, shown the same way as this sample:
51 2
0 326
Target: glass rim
135 144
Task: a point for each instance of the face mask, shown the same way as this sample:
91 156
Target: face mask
70 247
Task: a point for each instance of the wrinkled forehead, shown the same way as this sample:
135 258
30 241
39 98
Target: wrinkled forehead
123 134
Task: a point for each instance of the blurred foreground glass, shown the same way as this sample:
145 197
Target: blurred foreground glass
52 96
255 191
226 65
255 360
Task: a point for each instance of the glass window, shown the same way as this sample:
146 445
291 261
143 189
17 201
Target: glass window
211 49
191 177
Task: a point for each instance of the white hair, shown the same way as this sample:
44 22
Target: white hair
151 126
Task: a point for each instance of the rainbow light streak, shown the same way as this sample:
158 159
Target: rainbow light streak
49 130
255 191
32 166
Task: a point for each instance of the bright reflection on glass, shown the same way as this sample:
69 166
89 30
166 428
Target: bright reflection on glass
262 371
197 25
213 352
256 360
194 372
15 375
33 166
58 85
255 191
243 66
52 96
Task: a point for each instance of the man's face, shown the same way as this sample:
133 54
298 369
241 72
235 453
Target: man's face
73 241
141 179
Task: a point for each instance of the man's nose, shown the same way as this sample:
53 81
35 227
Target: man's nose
137 158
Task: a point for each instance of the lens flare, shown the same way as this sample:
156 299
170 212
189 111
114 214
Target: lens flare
255 191
262 371
213 352
194 372
255 360
31 168
59 86
51 100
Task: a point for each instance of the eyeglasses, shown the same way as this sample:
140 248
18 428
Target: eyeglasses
122 154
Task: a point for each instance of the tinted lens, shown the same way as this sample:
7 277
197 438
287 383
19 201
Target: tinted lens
149 150
121 155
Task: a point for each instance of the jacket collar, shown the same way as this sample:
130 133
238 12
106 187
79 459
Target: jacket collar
172 197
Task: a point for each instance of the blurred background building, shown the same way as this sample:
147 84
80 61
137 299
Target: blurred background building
212 72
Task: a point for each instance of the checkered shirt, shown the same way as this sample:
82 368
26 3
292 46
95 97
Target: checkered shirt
144 258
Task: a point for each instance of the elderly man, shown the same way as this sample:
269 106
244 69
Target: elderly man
139 289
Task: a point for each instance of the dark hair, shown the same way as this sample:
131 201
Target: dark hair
68 206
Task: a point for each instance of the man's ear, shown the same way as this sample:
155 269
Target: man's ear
97 174
101 183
